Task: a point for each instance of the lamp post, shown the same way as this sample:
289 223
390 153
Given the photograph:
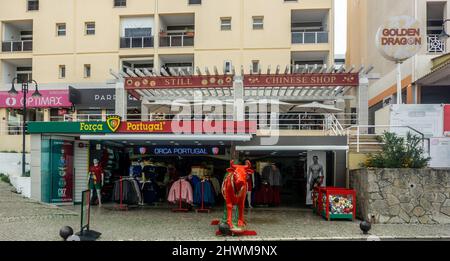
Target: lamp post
36 94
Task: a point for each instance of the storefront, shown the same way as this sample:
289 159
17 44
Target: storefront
169 146
141 150
96 103
152 151
50 106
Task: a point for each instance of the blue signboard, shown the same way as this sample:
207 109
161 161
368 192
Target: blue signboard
181 150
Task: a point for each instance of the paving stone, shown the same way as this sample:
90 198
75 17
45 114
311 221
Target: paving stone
22 219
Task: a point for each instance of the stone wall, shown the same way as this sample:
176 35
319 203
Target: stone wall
399 196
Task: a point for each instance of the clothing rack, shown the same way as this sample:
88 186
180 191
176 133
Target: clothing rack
121 205
180 206
202 209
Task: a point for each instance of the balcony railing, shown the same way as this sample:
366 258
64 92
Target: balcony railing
435 44
309 37
136 42
11 128
17 46
176 40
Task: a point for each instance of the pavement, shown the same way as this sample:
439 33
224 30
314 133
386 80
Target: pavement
24 219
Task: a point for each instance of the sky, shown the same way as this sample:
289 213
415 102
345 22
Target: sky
340 26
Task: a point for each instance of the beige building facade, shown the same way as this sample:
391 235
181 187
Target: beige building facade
80 42
364 19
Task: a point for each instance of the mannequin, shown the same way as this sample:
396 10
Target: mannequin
250 187
316 175
96 179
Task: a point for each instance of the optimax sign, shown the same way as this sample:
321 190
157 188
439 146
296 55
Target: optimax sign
399 38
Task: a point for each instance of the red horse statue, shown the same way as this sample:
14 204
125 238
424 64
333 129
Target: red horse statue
234 191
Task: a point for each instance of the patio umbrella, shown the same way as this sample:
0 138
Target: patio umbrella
316 107
214 102
164 106
284 106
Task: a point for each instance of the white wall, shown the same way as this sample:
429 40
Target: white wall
389 79
36 167
136 22
382 117
22 185
11 33
11 164
8 72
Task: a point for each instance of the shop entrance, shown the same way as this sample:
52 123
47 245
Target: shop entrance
290 189
156 166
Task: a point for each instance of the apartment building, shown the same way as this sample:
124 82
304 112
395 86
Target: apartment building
78 43
364 19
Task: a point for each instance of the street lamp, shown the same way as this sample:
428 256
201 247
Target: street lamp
36 94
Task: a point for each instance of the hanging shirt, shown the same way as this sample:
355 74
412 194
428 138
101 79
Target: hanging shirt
181 191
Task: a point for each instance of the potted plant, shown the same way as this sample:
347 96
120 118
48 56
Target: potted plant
162 34
190 32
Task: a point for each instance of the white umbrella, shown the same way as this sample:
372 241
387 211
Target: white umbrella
316 107
284 106
214 102
161 106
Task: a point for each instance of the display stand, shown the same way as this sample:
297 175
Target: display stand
203 209
180 206
347 196
121 206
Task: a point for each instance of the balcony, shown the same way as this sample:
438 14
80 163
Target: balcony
17 36
309 37
136 42
176 40
17 46
310 26
435 45
177 30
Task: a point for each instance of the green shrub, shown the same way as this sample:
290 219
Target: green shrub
398 152
5 178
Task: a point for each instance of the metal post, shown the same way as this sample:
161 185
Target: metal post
357 139
24 122
399 83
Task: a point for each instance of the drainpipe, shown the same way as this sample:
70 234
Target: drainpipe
414 59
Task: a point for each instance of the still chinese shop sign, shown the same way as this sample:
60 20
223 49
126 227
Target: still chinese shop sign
302 80
181 82
292 80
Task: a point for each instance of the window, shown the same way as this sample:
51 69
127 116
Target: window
90 28
60 29
62 71
138 32
87 71
120 3
195 2
24 74
225 23
255 66
227 66
33 5
258 22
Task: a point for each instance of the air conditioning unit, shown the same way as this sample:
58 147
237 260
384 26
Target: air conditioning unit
388 101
